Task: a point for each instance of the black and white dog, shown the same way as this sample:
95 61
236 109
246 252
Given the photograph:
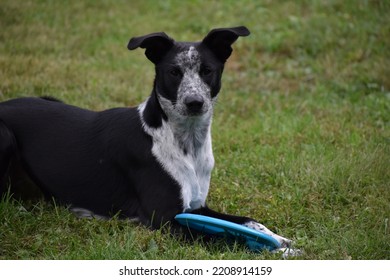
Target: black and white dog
148 163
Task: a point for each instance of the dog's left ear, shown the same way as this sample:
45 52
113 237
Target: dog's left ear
219 40
156 45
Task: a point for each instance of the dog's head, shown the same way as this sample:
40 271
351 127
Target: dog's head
188 74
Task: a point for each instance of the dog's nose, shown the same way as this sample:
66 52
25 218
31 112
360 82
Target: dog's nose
194 103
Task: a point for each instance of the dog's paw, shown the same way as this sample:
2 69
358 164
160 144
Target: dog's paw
284 242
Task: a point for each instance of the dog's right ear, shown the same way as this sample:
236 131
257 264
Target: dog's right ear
156 45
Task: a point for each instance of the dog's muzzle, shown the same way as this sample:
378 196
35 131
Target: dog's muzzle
194 104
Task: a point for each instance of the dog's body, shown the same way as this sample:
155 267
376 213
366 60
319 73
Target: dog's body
148 163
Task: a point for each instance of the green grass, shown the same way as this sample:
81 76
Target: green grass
301 129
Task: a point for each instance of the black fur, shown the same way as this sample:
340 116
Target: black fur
102 161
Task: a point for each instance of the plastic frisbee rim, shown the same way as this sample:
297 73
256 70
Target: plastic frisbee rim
255 240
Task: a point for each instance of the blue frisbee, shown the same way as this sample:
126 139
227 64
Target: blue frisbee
255 240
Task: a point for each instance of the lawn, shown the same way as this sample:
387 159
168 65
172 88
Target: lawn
300 135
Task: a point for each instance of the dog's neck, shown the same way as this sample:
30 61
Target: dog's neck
183 148
191 133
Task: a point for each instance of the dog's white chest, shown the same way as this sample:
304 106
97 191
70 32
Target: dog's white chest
190 168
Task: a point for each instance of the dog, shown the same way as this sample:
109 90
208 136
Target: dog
147 163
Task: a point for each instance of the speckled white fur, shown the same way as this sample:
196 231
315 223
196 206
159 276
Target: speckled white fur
182 145
191 83
192 170
284 242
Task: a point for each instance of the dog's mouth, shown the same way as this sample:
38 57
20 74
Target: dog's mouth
194 114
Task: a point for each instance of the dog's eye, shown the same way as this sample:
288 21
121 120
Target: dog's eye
175 72
205 71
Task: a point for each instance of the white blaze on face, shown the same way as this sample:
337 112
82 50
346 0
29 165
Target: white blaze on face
191 83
